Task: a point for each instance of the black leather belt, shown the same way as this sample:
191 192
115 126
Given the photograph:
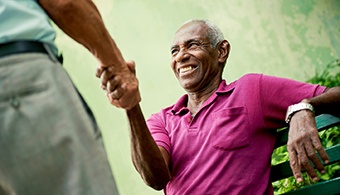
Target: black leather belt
18 47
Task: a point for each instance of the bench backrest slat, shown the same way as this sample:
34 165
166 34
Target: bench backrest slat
330 187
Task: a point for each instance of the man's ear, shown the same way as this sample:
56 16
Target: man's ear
223 51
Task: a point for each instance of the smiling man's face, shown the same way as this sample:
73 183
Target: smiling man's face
193 61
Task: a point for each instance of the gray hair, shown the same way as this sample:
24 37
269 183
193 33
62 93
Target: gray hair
214 33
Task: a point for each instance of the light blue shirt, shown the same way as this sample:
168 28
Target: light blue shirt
25 20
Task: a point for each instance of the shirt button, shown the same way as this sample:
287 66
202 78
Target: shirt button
15 102
189 119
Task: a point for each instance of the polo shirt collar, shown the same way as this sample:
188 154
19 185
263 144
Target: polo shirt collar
180 107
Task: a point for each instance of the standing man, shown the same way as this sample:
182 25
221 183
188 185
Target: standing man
49 139
204 142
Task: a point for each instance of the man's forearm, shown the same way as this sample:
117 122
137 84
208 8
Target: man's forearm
146 155
81 20
328 102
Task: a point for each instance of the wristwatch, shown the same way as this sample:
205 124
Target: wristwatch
297 107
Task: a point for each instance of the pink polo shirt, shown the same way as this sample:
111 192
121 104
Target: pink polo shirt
226 147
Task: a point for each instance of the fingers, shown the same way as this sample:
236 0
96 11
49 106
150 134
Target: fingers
105 76
124 97
305 156
294 164
109 81
311 147
121 85
99 71
115 92
318 147
113 85
316 144
299 159
303 146
125 101
302 154
112 101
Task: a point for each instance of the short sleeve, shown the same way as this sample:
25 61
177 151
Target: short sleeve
156 125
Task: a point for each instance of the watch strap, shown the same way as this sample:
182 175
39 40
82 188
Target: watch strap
297 107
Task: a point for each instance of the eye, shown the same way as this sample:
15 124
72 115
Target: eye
174 52
193 45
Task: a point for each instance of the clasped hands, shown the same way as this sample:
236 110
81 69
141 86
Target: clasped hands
303 142
121 85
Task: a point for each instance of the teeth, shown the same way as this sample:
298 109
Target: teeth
185 68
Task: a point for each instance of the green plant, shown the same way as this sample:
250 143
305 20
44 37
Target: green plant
330 77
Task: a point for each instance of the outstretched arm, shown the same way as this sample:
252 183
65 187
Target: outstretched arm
303 138
81 20
149 160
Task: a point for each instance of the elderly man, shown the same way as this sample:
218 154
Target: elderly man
204 142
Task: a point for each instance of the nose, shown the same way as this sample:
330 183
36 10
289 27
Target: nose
182 55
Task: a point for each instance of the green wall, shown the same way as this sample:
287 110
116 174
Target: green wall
287 38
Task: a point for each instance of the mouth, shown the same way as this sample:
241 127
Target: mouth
185 69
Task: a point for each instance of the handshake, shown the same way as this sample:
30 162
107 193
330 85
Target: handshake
121 85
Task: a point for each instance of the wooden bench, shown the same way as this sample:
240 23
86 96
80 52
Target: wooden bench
283 170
